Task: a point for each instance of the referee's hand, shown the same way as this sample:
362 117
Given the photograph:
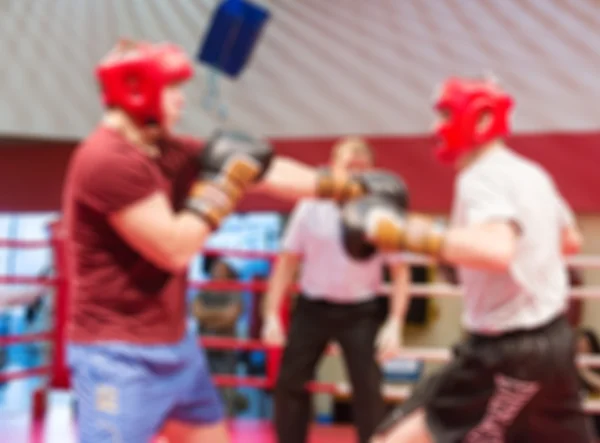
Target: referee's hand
272 333
388 342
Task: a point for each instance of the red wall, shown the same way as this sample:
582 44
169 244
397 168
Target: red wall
31 172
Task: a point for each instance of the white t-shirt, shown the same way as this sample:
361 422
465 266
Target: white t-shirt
503 185
327 272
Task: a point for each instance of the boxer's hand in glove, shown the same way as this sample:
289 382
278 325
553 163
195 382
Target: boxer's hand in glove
374 222
338 186
385 184
388 342
272 333
229 163
345 187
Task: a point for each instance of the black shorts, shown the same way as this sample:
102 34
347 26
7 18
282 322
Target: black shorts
521 387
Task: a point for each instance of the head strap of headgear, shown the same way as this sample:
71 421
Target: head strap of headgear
134 74
464 103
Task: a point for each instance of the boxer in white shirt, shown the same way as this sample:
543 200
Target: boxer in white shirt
338 302
513 378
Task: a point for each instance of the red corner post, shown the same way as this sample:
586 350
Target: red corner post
59 376
60 372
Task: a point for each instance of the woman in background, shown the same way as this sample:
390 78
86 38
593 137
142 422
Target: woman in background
218 312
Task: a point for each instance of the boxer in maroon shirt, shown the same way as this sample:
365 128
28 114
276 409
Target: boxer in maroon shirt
139 203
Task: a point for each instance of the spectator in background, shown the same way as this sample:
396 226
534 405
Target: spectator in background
448 274
588 343
31 300
217 312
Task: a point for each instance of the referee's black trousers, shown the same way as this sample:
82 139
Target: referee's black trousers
314 325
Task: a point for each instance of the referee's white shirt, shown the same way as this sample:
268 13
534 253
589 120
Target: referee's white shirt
503 185
327 272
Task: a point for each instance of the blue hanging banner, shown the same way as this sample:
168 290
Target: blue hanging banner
232 36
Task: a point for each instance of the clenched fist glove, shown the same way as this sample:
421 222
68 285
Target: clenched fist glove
230 162
376 182
374 223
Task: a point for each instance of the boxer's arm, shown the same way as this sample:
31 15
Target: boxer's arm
289 178
489 239
132 200
490 245
572 239
167 239
493 244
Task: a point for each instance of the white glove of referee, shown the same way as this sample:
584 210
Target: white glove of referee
272 331
388 342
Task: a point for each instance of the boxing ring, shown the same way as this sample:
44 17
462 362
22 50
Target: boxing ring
51 424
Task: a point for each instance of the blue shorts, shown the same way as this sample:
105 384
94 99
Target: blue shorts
127 392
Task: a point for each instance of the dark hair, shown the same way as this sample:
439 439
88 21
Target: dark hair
592 339
211 261
575 277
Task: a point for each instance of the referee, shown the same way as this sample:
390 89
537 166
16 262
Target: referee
338 301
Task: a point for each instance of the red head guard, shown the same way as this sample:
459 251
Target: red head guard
133 76
464 102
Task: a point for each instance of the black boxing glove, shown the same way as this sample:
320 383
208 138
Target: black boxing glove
378 182
339 188
230 162
385 184
375 222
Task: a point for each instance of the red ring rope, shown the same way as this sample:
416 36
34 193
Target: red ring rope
27 338
25 244
58 372
27 280
26 373
232 343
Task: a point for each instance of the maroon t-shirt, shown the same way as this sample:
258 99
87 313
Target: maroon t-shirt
116 293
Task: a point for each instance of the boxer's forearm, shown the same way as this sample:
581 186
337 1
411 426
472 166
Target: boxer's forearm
188 236
167 239
280 281
571 237
491 246
289 178
572 240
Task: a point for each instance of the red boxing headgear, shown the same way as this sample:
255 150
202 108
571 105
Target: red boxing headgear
133 76
464 102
